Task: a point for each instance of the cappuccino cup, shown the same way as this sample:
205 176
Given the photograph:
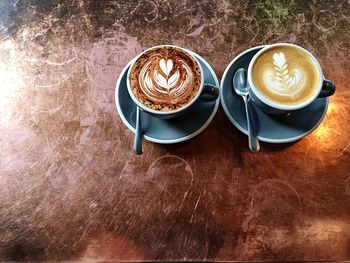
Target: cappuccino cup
166 80
285 77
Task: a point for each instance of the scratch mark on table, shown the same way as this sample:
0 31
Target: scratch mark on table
195 208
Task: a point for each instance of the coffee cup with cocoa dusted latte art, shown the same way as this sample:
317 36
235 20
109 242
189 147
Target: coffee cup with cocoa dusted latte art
285 77
166 80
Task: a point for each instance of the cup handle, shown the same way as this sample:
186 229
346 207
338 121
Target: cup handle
328 89
209 93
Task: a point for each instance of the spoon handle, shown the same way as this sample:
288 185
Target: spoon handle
138 133
253 141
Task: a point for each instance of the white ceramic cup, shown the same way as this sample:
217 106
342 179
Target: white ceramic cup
325 88
206 92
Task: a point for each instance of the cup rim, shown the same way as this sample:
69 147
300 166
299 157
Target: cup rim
278 105
142 106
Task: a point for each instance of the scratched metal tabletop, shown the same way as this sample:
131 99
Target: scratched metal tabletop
72 189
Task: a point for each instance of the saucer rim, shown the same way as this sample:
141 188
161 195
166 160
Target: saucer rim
170 141
239 127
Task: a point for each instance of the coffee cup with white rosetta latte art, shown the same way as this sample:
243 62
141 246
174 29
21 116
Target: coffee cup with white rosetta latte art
166 80
285 77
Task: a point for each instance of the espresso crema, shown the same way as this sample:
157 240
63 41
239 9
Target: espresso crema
165 78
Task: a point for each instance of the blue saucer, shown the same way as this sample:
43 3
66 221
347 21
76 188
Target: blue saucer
273 129
175 130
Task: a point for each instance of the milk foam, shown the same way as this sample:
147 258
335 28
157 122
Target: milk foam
282 81
164 80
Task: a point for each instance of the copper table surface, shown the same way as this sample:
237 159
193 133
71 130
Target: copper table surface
72 189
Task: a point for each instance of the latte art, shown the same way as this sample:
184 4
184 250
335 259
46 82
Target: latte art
285 74
163 81
165 78
280 80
